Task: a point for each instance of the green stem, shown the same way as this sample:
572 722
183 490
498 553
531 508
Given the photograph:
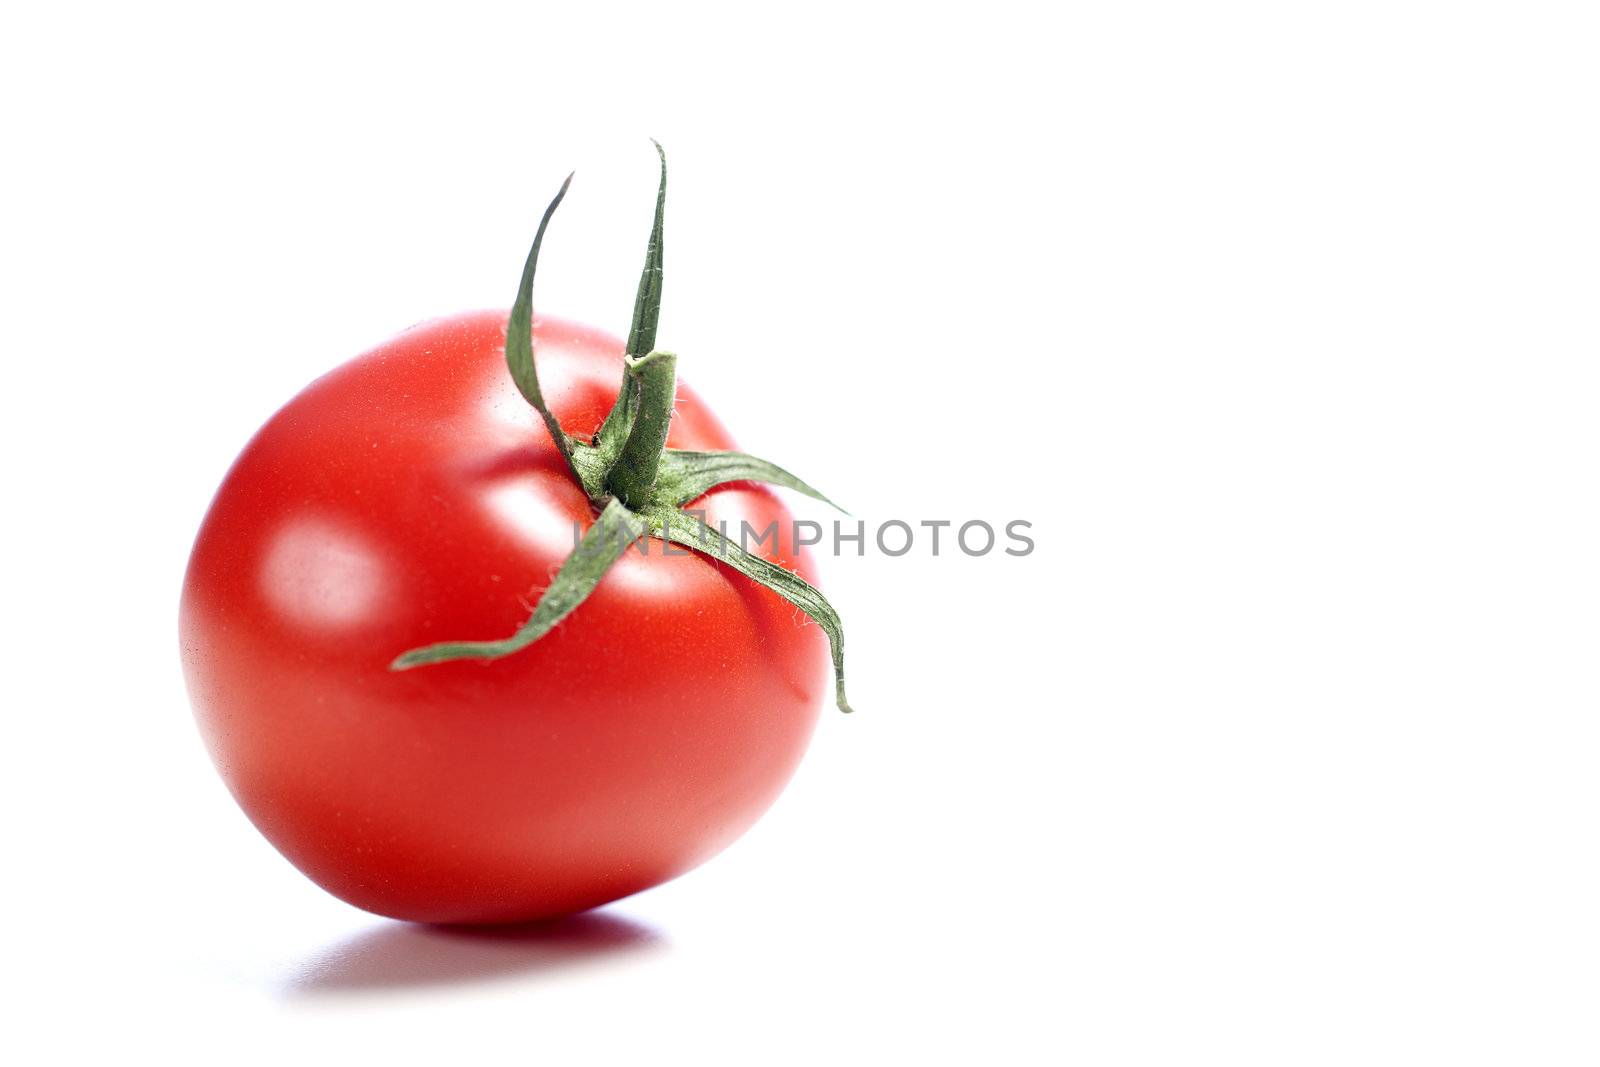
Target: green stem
655 380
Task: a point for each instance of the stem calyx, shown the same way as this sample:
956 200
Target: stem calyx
637 485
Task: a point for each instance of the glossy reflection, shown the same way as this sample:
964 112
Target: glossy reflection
521 508
402 956
321 576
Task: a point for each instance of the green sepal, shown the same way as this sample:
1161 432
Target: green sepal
602 545
691 532
590 467
519 338
647 303
642 333
684 475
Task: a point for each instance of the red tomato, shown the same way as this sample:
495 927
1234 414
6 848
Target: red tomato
412 496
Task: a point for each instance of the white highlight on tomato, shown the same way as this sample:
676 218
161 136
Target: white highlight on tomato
320 575
519 507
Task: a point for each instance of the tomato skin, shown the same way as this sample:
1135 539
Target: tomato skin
412 496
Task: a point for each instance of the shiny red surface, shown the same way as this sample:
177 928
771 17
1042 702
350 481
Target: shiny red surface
412 496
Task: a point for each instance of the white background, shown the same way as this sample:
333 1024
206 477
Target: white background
1278 321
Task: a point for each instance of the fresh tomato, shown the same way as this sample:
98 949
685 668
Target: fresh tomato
411 496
